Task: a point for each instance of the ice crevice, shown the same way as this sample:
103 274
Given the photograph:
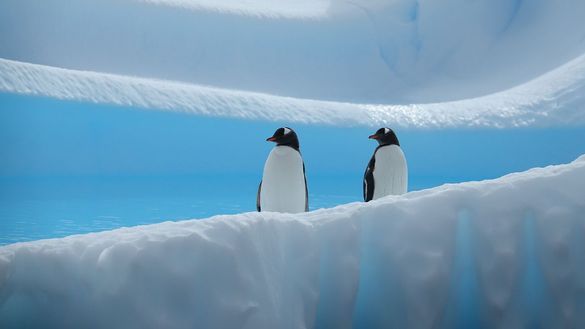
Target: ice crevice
372 21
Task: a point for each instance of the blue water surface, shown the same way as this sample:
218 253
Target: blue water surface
68 167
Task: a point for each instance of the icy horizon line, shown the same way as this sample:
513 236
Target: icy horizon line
487 185
429 252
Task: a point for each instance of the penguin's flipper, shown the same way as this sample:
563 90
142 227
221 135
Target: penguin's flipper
368 184
306 190
258 197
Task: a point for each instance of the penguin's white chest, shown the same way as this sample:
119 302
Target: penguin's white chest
283 181
390 172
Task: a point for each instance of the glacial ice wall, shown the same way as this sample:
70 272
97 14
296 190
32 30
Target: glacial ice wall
495 63
369 51
506 253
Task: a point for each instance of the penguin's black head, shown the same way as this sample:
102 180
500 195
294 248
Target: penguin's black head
285 136
385 136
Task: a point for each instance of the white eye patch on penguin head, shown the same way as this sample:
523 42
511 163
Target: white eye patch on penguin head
285 136
385 136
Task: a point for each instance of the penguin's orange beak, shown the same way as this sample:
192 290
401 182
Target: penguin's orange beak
374 136
271 139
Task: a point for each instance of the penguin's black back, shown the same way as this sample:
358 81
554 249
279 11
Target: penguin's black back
368 182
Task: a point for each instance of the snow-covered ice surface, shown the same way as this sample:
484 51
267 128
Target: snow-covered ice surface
554 99
506 253
402 63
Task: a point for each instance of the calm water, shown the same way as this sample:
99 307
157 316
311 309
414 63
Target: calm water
70 167
39 208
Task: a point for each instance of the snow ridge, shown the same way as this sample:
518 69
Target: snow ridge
411 63
500 253
553 99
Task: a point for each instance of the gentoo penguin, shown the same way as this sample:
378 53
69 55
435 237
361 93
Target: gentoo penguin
284 185
387 172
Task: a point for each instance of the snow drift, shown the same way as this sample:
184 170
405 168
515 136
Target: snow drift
557 98
507 253
405 62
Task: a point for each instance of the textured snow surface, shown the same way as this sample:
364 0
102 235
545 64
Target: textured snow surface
506 253
557 98
496 63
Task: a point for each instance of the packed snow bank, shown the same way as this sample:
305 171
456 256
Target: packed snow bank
388 51
402 63
507 253
556 98
425 64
